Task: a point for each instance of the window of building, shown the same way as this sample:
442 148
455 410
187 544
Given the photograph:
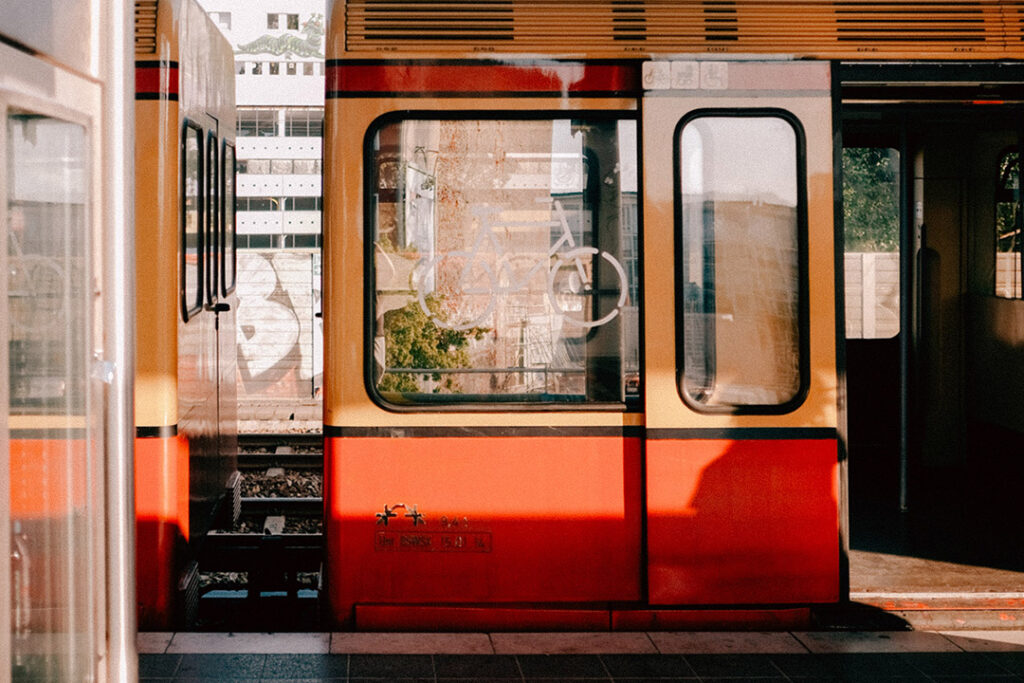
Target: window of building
240 67
290 68
257 68
302 203
494 282
1008 227
293 22
256 122
304 122
273 21
742 260
275 68
307 68
222 19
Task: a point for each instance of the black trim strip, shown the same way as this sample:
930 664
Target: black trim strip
331 431
743 433
53 434
355 94
156 64
515 61
172 97
164 432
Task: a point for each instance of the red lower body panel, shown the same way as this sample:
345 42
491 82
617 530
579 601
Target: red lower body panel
742 522
49 477
161 526
482 520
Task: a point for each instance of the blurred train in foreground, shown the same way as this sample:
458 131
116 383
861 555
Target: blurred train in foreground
66 611
185 399
586 358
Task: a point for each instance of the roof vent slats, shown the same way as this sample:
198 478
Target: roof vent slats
820 28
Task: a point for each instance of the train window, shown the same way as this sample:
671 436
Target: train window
191 220
212 237
48 272
1008 227
503 261
228 238
742 257
871 220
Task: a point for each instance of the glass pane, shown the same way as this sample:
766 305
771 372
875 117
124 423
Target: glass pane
212 236
871 219
192 185
504 261
1008 227
53 451
228 233
740 252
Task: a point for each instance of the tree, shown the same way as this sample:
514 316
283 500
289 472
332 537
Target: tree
413 340
871 199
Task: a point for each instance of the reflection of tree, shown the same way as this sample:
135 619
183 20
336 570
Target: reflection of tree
413 341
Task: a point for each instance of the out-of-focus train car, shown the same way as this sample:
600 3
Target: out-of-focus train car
584 363
61 207
186 433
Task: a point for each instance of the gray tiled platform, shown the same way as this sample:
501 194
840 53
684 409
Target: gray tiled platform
797 656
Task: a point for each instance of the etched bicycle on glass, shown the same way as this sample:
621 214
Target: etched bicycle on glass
473 286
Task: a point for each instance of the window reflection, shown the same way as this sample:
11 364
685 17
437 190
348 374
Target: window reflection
740 254
505 261
54 448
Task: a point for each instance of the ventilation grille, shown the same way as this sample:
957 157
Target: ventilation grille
145 27
823 28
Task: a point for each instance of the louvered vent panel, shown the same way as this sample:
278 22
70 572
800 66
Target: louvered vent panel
145 27
837 28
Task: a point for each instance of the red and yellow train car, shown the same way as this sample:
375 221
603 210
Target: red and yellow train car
582 357
186 431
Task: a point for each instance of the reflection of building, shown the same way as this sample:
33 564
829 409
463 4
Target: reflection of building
279 67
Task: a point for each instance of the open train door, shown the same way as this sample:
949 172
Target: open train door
743 475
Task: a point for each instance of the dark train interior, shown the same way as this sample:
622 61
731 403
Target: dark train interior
935 326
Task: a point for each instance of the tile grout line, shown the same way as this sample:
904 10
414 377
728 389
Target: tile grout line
653 644
795 637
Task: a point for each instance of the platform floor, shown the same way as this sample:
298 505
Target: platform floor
785 656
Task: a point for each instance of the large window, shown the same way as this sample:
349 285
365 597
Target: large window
501 264
55 412
742 258
213 215
1008 227
192 223
228 237
871 225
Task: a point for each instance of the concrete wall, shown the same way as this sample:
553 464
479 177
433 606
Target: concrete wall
278 295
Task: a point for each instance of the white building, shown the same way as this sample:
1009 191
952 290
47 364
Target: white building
279 65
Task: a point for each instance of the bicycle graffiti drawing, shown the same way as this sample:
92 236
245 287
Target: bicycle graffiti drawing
473 295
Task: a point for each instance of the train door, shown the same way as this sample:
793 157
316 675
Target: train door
199 341
932 261
742 463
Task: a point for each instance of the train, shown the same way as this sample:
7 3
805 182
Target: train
66 610
592 355
186 306
613 338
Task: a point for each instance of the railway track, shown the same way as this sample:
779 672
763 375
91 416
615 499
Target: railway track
259 567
